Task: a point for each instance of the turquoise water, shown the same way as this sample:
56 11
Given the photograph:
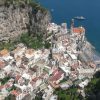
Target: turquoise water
65 10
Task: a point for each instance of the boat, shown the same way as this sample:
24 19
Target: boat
79 17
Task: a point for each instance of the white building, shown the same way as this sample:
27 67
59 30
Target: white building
84 83
2 74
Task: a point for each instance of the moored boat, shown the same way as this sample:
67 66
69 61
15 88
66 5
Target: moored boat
79 17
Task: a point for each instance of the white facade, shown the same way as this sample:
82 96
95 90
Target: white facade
2 74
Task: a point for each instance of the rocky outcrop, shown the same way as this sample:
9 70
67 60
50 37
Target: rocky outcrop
39 22
15 20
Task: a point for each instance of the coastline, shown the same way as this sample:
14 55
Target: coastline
32 71
65 10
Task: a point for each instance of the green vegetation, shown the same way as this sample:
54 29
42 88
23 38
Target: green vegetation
70 94
4 80
18 1
47 45
36 6
32 42
8 46
64 80
12 88
39 96
10 97
33 3
35 42
93 87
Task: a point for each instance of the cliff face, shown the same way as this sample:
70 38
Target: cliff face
39 22
15 20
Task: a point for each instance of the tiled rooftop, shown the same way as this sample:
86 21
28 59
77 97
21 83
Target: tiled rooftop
15 92
78 30
4 52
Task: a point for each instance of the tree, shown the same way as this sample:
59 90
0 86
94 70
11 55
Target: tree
10 97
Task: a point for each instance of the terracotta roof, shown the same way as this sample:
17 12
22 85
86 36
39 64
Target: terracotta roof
4 52
1 87
57 76
16 50
14 92
17 77
29 51
55 71
2 64
75 65
18 58
35 79
5 86
78 30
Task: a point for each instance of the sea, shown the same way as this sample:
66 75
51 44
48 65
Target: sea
65 10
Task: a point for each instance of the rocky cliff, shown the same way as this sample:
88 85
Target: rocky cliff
39 22
15 20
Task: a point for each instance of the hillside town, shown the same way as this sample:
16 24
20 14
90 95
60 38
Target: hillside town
71 59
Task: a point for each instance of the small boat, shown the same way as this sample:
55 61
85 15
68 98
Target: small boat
79 17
